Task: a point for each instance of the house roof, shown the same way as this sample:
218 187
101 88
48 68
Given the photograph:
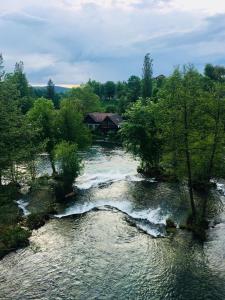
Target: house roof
115 118
100 117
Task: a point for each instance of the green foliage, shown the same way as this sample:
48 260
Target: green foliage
183 132
69 161
36 220
134 88
19 80
51 94
110 108
12 238
182 94
1 67
147 77
71 125
141 136
84 98
43 117
109 90
216 73
15 132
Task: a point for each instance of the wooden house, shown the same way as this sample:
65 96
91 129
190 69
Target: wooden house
103 122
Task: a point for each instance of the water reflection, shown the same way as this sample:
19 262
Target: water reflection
98 255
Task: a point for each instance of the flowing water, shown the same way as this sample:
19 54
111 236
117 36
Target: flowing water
111 243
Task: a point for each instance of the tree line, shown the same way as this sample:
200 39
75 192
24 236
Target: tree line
174 124
30 125
118 96
179 135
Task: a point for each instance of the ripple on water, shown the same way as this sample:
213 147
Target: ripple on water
98 255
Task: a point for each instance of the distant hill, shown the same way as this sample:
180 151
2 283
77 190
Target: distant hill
58 89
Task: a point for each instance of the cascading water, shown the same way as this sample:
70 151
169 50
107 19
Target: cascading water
90 251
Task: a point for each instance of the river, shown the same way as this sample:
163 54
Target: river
111 243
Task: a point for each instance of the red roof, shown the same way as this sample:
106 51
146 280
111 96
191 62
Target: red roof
100 117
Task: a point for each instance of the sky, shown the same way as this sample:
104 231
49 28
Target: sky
71 41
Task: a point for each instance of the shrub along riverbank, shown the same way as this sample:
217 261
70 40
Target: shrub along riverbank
12 234
15 228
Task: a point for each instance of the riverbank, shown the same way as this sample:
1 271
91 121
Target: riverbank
17 220
12 234
106 167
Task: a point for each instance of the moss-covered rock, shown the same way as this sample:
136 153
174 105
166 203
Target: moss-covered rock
170 223
36 220
12 238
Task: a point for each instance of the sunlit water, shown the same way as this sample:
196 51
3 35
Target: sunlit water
89 250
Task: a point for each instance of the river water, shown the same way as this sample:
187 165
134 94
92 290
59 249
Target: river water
111 243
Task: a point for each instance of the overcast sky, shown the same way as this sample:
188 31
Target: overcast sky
71 41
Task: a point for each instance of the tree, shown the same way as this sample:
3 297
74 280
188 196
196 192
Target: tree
121 89
191 126
69 162
51 95
71 126
84 98
43 116
134 88
19 79
1 68
216 73
96 87
17 138
10 129
147 77
141 136
109 90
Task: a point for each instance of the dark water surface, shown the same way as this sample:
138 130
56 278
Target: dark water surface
85 253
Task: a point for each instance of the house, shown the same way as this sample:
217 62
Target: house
104 122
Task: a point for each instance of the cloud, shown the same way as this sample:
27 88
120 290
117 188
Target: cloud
22 18
74 40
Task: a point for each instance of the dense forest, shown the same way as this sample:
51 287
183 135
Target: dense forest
175 125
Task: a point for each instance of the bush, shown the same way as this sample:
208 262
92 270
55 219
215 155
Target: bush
36 220
67 156
12 238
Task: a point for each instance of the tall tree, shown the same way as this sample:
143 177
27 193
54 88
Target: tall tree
51 94
142 137
109 90
43 116
216 73
147 77
134 88
86 101
1 67
70 124
20 80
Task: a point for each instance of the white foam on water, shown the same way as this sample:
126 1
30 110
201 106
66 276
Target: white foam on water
220 187
149 216
108 167
22 204
155 232
87 181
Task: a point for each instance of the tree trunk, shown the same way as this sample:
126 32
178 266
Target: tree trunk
215 142
52 163
12 172
188 162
